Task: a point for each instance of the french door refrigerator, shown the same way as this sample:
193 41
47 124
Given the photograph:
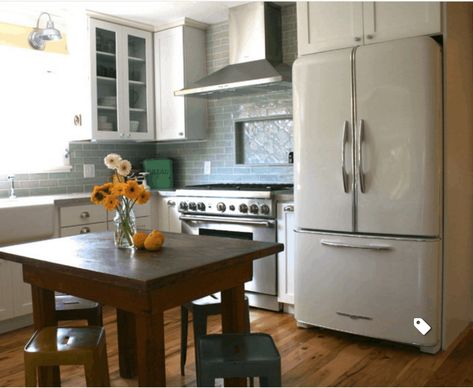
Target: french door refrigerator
368 189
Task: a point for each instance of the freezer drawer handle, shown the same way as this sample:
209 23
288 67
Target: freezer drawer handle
361 125
228 220
339 244
344 142
354 316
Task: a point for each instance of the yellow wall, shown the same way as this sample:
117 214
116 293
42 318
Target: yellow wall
17 36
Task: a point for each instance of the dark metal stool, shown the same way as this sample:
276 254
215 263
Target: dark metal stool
201 309
237 355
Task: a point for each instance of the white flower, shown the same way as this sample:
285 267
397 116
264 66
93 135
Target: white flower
124 167
112 161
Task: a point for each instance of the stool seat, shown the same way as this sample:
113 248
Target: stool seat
54 346
69 308
238 355
201 309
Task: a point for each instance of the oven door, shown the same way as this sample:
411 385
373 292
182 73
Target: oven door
264 270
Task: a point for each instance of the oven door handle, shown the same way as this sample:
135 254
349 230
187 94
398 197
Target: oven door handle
228 220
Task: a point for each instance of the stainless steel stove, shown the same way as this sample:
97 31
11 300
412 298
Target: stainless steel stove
245 211
231 199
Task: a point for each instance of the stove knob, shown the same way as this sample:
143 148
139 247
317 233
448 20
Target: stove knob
254 209
264 209
192 206
183 206
201 206
221 207
243 208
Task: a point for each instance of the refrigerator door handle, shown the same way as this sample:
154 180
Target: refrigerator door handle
361 126
344 142
339 244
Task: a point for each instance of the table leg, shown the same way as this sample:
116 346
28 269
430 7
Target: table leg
44 314
126 332
150 349
234 320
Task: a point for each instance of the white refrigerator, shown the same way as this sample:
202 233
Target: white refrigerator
368 190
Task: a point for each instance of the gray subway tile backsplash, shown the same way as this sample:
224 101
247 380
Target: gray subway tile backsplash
219 148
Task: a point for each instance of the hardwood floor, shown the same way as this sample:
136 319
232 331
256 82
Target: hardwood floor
310 357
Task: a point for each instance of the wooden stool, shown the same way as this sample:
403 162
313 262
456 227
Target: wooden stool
54 346
238 355
201 309
69 308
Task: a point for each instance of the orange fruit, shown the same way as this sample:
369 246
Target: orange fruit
154 241
139 239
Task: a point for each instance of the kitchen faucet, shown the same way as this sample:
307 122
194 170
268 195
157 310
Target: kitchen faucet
11 178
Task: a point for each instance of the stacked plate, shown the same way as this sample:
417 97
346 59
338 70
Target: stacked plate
108 101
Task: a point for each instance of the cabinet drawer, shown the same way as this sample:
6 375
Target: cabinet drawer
80 215
80 229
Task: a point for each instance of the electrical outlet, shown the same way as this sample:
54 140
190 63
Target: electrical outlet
207 167
89 170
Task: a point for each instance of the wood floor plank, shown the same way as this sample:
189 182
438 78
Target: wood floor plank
310 357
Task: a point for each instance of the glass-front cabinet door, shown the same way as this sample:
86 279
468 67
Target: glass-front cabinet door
121 75
139 88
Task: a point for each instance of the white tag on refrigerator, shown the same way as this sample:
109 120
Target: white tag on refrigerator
422 326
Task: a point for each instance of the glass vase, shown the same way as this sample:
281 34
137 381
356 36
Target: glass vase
125 227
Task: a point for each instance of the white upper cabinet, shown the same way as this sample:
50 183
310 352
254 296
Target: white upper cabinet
392 20
180 59
122 82
329 25
323 26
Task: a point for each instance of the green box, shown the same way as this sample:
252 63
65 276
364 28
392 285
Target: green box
160 173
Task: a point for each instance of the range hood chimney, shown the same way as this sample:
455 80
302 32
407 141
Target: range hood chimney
255 42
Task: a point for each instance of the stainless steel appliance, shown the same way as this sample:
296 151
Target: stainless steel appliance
255 42
245 211
368 179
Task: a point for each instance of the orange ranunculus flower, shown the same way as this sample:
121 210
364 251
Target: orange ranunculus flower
143 196
97 195
111 202
119 189
132 189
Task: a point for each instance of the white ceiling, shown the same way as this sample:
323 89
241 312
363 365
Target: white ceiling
155 13
161 12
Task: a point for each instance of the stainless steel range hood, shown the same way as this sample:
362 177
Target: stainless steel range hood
255 55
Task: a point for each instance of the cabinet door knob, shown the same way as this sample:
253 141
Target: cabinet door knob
84 215
289 208
357 38
84 230
369 36
171 203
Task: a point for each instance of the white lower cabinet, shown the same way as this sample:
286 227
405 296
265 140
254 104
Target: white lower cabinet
6 300
22 303
15 297
81 229
285 235
168 215
80 219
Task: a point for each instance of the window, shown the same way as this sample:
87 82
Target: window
36 113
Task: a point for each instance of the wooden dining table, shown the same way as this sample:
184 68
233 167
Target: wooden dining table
141 285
